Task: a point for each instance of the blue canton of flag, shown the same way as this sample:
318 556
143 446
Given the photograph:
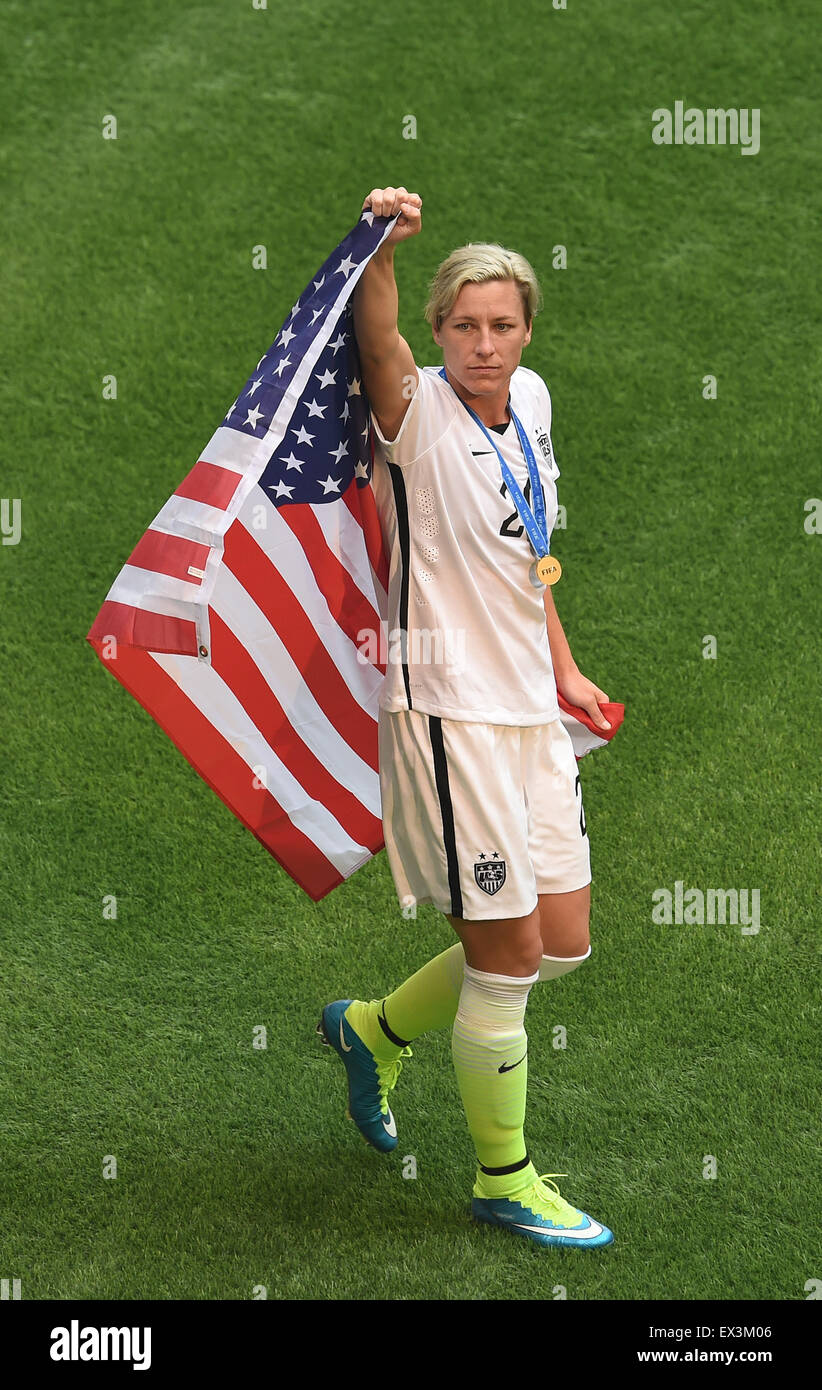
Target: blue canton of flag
327 443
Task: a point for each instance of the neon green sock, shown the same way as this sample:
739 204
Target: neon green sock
424 1002
427 1000
489 1047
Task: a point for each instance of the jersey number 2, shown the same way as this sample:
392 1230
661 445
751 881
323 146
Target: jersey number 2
508 527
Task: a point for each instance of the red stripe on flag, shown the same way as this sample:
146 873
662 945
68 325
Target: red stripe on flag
233 664
362 506
347 604
224 770
137 627
208 483
165 554
250 565
614 713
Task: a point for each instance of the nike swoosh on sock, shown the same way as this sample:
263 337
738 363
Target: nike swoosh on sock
505 1067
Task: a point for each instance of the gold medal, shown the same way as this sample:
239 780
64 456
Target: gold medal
549 570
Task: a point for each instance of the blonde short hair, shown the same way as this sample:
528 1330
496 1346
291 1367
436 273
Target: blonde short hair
474 264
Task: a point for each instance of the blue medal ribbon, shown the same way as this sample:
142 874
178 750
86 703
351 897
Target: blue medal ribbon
533 521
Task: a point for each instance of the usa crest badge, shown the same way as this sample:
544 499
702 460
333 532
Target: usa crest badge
544 442
490 874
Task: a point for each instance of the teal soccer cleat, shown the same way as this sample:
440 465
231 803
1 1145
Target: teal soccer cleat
369 1080
541 1215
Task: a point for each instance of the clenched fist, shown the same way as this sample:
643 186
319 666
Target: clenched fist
386 202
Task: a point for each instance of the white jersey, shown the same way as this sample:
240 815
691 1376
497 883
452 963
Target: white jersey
477 642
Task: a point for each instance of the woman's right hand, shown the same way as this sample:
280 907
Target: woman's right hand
386 202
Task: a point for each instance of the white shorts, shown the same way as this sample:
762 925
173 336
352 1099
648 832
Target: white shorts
480 818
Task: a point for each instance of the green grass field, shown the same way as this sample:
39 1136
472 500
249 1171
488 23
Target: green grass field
236 1167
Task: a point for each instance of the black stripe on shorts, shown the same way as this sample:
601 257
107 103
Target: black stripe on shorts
447 811
401 507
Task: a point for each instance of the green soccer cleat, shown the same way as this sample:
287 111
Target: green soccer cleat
540 1215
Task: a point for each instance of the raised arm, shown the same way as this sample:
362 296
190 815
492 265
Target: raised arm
389 372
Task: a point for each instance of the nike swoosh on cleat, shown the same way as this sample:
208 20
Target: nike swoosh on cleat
575 1232
505 1067
343 1043
390 1126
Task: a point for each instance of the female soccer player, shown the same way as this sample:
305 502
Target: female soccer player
482 809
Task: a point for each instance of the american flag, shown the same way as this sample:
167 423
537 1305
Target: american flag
237 621
585 736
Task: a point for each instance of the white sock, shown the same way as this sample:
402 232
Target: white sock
554 966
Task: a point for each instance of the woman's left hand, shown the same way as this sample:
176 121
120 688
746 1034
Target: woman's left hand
578 690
